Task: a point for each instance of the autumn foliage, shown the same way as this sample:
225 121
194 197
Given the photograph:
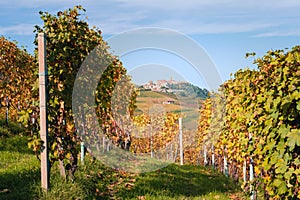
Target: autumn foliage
17 77
262 122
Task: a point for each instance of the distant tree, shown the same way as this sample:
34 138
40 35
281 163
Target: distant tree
190 89
183 94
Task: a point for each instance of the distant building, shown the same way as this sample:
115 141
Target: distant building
150 85
182 82
160 85
171 81
169 102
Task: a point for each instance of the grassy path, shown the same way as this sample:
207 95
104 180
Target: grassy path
181 182
20 179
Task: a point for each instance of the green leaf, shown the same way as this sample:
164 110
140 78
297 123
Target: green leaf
274 158
283 130
297 162
277 182
298 105
287 156
282 189
293 138
281 167
288 174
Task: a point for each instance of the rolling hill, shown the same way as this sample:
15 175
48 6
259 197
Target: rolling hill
152 101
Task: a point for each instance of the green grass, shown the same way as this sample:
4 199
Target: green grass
181 182
15 144
19 169
12 129
154 94
151 94
20 179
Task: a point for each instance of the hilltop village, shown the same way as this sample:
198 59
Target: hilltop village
163 86
182 88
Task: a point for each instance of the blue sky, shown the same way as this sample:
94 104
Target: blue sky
225 29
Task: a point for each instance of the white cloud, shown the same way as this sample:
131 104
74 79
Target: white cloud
19 29
282 33
157 4
190 27
201 17
185 25
189 16
196 4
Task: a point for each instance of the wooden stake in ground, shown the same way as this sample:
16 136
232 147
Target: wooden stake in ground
180 141
43 74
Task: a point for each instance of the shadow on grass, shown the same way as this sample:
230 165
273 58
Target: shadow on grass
13 128
19 171
19 185
12 138
15 144
176 181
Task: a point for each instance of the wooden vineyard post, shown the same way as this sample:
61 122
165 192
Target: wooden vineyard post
43 74
205 155
245 171
212 156
225 165
7 111
151 141
251 172
82 153
103 143
180 141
